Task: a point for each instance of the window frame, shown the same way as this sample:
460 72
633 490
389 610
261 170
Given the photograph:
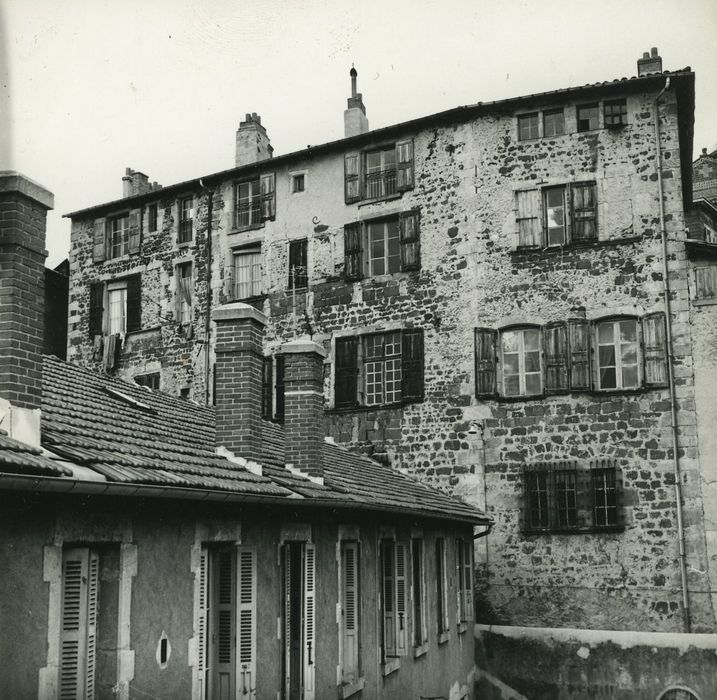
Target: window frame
464 582
124 242
252 205
393 181
616 345
185 219
112 288
529 126
384 240
255 284
616 119
441 579
419 599
581 128
553 113
152 217
150 380
184 291
297 178
298 248
519 332
703 283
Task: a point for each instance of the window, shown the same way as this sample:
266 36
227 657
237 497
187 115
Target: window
117 303
522 374
562 497
629 353
615 113
350 623
115 307
272 388
418 588
298 183
553 122
247 273
382 368
706 283
227 621
588 116
298 264
528 126
152 218
254 201
378 173
393 599
441 590
185 231
184 293
151 381
118 236
384 246
464 579
569 214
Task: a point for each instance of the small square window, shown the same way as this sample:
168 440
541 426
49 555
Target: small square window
615 112
298 183
588 117
553 122
528 126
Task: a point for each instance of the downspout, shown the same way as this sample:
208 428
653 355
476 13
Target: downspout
208 317
670 370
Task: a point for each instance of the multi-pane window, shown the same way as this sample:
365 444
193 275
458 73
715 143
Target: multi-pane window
186 219
383 247
528 125
152 218
588 117
247 274
617 354
553 122
118 236
350 623
117 308
248 203
605 495
522 375
298 264
184 292
615 113
418 588
382 368
441 587
394 599
706 283
378 173
566 514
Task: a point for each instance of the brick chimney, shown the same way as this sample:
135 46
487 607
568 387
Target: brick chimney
23 212
304 405
649 63
135 182
252 144
240 358
355 121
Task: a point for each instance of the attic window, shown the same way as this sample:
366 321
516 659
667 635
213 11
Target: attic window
129 399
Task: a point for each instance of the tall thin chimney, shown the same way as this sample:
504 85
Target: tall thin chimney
355 121
252 141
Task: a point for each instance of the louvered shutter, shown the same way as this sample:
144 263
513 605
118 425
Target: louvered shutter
468 580
135 230
268 196
352 177
529 226
401 601
223 636
287 621
555 339
353 267
97 302
247 612
412 365
409 230
388 599
203 613
654 349
134 303
404 165
93 582
346 372
579 342
99 241
350 612
485 352
309 620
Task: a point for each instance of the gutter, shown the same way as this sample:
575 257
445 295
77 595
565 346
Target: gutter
670 370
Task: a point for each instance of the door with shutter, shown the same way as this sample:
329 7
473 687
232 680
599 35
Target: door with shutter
247 623
349 611
309 631
78 626
222 625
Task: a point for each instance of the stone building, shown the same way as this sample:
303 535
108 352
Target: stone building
504 297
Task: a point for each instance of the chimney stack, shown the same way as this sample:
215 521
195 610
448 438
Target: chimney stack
239 365
355 121
23 212
134 183
252 142
304 405
649 63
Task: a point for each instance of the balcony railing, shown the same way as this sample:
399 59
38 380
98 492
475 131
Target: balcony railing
247 214
380 184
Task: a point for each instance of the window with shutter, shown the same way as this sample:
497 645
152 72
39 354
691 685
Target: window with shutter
528 218
309 621
617 354
654 349
468 580
520 360
267 389
555 339
579 342
221 677
460 591
485 352
350 612
280 387
353 261
247 613
118 234
99 241
268 196
247 204
202 620
410 239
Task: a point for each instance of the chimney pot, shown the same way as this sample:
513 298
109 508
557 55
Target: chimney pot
653 51
646 54
704 151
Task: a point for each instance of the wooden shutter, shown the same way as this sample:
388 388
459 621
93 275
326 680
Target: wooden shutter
309 626
706 282
203 612
352 177
134 303
654 349
78 627
247 612
268 196
223 622
412 364
584 208
388 599
99 241
460 606
350 611
135 230
97 303
353 267
579 342
287 620
528 218
404 165
346 372
229 291
409 231
555 339
485 348
468 580
401 601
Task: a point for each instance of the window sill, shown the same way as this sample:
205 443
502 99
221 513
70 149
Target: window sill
390 667
591 392
574 530
348 689
184 244
376 200
252 300
420 651
377 407
704 302
524 251
462 627
242 229
443 637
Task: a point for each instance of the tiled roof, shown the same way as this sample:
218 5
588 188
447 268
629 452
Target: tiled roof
125 434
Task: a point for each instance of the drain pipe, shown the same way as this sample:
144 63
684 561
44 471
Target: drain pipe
670 370
208 320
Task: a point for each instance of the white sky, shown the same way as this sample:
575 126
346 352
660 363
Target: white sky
95 86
